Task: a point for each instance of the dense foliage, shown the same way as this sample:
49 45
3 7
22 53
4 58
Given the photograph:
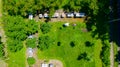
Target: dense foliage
15 27
17 30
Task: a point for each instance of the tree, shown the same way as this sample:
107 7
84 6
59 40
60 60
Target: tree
45 27
15 27
15 31
31 27
44 42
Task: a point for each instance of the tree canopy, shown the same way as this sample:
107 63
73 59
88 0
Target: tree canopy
23 8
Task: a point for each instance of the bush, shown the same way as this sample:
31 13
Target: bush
83 56
105 54
58 43
88 44
31 60
45 28
31 43
72 43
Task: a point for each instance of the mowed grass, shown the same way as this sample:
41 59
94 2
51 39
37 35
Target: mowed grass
67 54
17 59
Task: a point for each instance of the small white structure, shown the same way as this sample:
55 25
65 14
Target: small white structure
51 65
30 16
70 15
66 24
30 36
40 16
44 65
79 14
45 15
30 52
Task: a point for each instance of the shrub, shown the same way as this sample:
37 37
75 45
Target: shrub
83 56
31 43
88 44
72 43
31 60
58 43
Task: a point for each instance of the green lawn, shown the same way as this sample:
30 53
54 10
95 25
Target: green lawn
67 54
17 59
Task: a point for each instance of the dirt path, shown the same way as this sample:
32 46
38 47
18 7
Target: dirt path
111 54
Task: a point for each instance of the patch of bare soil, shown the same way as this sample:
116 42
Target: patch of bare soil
3 63
57 63
61 19
84 30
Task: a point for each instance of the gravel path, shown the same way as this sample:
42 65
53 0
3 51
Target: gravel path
111 54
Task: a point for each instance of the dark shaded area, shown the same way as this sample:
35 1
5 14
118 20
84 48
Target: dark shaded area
88 44
72 44
60 28
116 27
81 56
47 19
117 57
58 43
